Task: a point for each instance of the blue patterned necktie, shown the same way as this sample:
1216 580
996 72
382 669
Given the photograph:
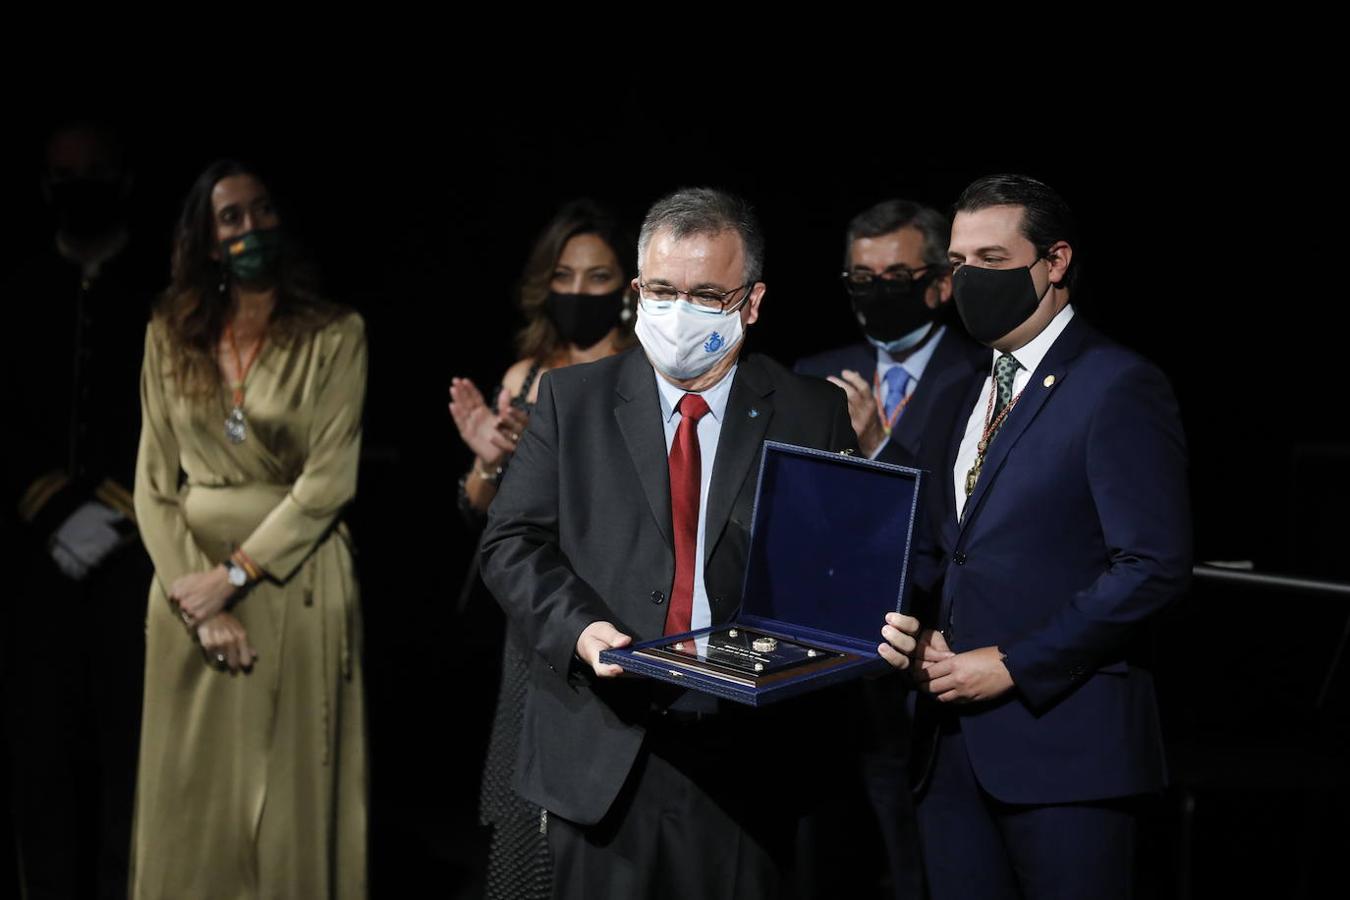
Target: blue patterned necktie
896 381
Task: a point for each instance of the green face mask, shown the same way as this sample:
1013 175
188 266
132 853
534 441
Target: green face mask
253 256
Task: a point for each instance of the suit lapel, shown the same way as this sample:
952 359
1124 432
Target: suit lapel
942 370
1032 399
865 360
749 410
638 413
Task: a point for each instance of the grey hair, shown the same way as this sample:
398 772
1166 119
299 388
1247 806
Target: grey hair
691 211
892 215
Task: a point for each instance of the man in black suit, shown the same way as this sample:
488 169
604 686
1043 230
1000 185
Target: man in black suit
625 515
900 287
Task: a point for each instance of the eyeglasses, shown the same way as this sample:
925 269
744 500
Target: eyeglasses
707 298
900 278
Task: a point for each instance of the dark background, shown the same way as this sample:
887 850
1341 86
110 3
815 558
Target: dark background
1203 248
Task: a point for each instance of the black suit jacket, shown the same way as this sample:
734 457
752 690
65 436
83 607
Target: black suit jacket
955 359
580 532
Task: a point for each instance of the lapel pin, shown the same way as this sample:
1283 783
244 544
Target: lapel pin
753 412
1049 381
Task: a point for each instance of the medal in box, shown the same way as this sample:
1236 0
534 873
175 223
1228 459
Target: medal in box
830 544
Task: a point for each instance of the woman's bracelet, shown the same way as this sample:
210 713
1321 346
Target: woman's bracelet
493 477
242 560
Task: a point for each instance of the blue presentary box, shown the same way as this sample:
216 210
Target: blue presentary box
829 557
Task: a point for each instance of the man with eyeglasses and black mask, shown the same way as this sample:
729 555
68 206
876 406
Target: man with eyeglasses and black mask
899 286
1061 524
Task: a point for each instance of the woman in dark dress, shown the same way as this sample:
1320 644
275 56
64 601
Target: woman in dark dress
574 294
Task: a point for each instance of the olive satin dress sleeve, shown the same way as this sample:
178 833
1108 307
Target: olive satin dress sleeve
158 492
327 481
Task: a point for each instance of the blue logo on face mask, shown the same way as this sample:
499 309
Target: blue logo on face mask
713 343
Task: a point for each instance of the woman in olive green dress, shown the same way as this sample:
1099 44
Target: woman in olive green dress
252 778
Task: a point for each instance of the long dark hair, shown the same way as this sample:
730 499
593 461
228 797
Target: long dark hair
193 308
539 339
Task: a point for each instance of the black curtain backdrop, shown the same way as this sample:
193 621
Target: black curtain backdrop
1203 242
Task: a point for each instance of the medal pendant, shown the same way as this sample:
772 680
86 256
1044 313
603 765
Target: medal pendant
972 477
235 428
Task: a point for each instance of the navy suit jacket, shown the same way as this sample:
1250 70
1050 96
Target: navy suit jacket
955 359
1077 532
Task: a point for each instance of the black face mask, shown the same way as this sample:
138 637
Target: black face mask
891 310
86 207
992 302
583 319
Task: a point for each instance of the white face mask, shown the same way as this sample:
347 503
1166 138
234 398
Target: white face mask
684 340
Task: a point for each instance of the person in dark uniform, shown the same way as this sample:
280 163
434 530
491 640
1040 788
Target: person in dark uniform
73 619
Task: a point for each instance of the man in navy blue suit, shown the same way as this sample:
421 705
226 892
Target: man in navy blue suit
899 286
1062 524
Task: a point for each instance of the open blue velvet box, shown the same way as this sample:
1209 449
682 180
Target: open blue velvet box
829 557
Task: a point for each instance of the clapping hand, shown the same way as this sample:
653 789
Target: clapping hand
511 419
862 410
490 433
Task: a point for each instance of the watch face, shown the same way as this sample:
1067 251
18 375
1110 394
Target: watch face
238 577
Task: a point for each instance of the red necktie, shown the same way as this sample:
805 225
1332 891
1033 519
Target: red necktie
686 469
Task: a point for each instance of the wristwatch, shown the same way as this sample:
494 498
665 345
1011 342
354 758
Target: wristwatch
235 573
